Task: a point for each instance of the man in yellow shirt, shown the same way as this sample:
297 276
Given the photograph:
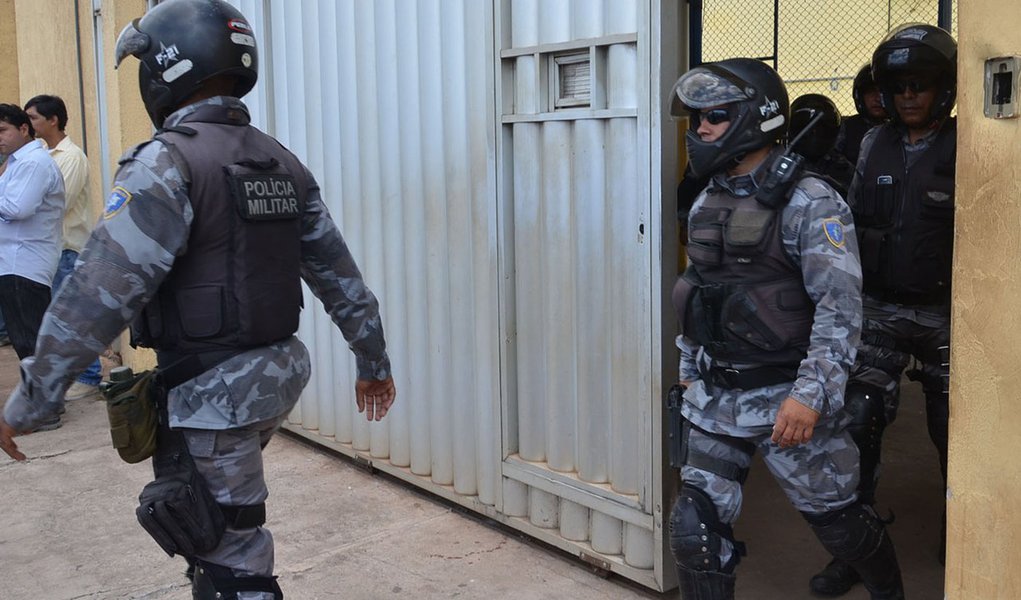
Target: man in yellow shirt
48 115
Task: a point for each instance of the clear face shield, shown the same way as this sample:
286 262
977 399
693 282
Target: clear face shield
702 88
131 42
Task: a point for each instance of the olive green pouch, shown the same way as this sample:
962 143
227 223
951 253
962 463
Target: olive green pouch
131 409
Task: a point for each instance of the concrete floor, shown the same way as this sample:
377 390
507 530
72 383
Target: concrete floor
68 531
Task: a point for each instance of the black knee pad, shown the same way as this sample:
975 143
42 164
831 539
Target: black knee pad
851 534
216 582
866 405
697 535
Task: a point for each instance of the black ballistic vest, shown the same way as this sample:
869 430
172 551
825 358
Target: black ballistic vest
238 285
905 219
742 298
855 128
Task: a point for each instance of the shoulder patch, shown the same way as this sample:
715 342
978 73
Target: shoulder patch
118 199
834 231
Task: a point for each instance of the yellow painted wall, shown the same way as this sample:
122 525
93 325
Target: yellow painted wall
42 38
49 65
9 51
984 531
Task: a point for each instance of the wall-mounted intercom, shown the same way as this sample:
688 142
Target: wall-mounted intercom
1001 87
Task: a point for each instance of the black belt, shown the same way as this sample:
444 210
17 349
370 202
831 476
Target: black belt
176 368
748 379
937 297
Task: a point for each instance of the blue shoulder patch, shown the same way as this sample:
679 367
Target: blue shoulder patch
834 231
119 197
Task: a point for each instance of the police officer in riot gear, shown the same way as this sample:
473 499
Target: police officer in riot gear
870 112
902 197
770 312
208 231
815 124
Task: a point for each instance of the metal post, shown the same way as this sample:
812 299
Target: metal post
81 76
694 33
776 34
946 15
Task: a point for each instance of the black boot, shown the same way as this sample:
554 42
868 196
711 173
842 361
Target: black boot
215 582
881 573
835 580
858 537
705 585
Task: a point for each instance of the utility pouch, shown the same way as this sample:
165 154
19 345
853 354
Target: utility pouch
674 427
180 513
131 410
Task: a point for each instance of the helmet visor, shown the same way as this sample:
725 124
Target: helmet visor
702 88
131 42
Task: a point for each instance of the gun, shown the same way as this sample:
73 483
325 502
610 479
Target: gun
675 426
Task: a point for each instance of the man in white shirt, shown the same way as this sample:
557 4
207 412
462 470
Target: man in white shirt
48 116
31 211
4 340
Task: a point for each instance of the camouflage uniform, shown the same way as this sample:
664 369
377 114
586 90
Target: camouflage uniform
227 413
821 475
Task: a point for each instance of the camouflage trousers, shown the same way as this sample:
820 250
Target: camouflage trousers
891 336
230 460
817 477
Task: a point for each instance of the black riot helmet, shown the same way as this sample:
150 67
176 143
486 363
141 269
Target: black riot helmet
822 136
756 101
863 84
183 43
917 50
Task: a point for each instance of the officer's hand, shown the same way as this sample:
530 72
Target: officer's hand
794 424
7 444
375 397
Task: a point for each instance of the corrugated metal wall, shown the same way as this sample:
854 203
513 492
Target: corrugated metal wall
578 298
508 242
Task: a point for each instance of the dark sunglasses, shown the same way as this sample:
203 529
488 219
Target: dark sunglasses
915 85
714 116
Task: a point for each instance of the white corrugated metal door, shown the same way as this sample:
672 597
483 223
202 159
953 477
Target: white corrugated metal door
577 301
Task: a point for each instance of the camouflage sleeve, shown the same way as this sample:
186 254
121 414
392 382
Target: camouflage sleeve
819 229
688 370
331 273
144 226
854 190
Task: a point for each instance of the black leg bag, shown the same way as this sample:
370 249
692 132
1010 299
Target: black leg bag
180 513
177 509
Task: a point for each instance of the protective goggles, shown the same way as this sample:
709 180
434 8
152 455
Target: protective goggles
900 86
714 116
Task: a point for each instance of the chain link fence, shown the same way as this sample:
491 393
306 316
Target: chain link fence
816 45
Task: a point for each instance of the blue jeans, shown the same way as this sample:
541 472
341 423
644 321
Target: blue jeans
94 373
3 325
